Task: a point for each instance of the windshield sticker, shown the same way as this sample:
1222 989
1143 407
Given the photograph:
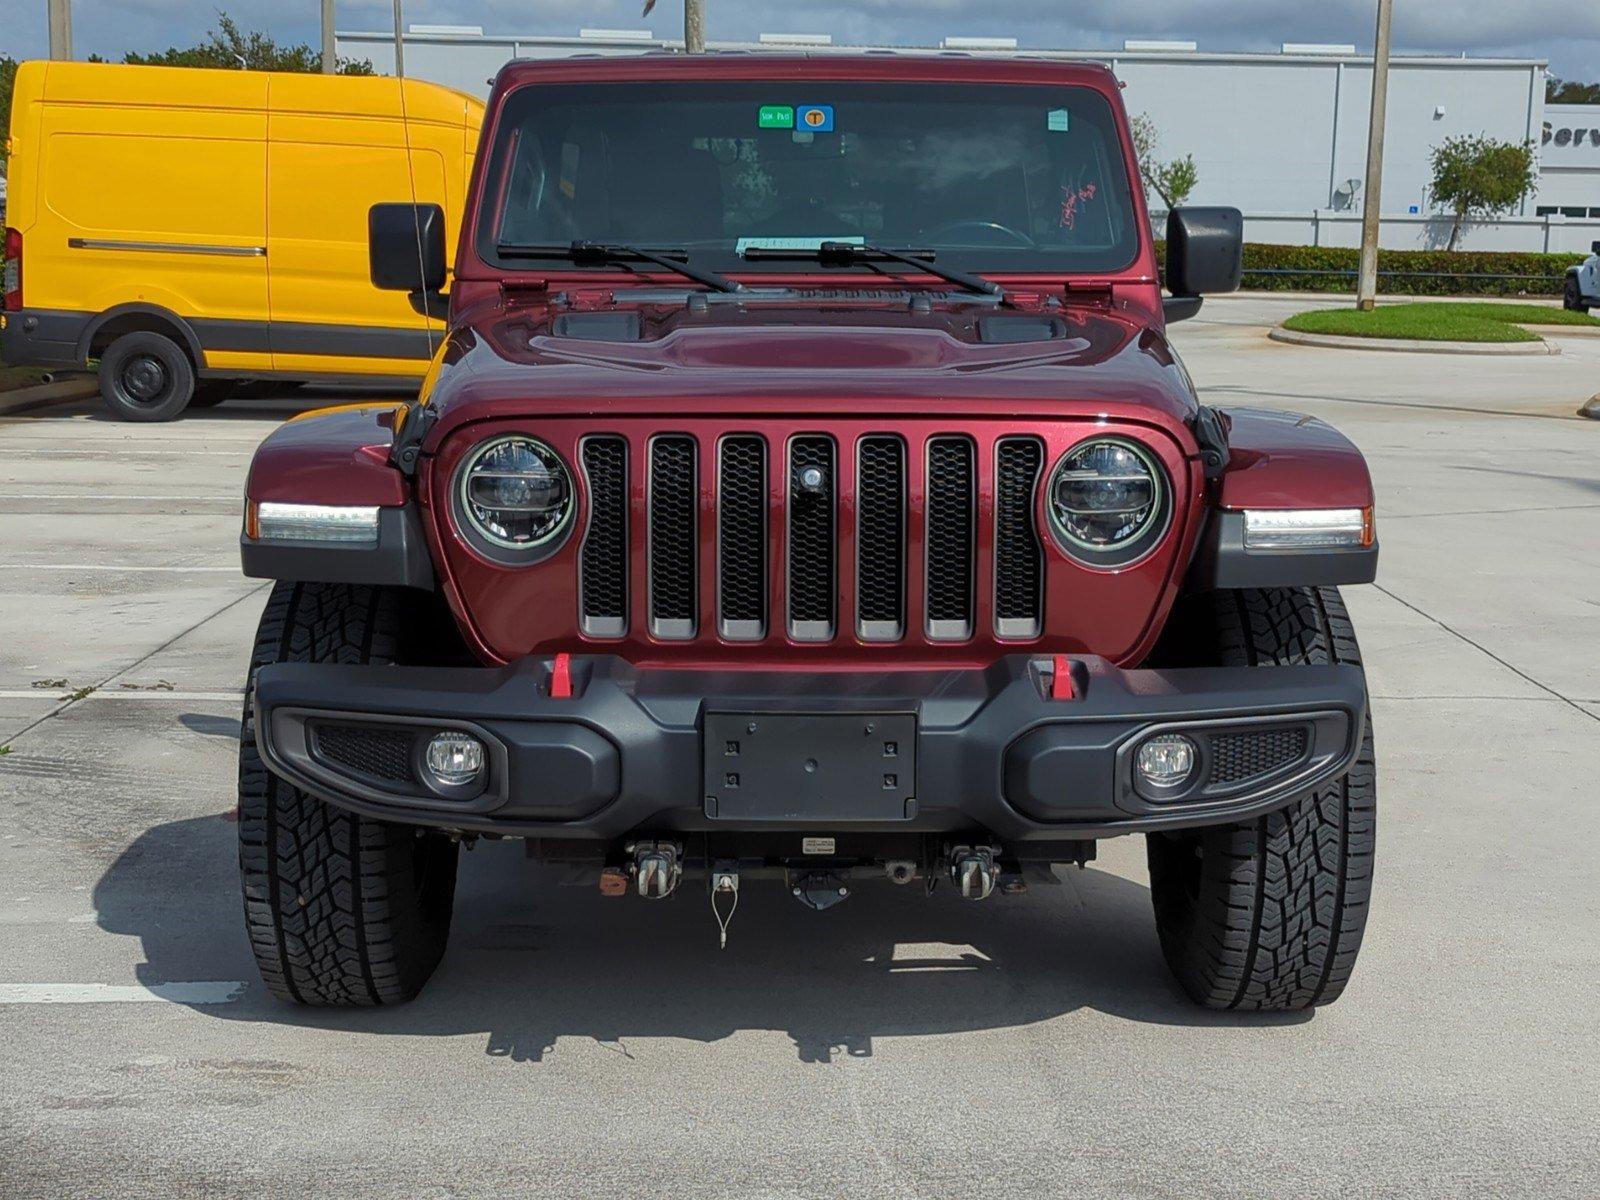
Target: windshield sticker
775 116
818 118
1058 120
791 243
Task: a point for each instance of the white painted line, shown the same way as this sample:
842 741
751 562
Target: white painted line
230 498
117 993
111 567
116 694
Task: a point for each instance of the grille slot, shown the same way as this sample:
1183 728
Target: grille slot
603 564
951 541
880 538
1249 754
811 539
674 534
1018 556
376 751
742 537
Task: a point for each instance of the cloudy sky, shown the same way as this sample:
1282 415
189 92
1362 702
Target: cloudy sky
1566 32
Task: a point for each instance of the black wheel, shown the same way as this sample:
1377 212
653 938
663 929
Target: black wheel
1572 296
146 377
208 393
341 910
1268 914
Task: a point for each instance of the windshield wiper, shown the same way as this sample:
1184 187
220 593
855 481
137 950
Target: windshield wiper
605 252
849 253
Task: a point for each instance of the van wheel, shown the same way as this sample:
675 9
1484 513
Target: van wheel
146 377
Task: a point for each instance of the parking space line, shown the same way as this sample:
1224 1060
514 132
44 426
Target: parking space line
110 567
218 992
153 694
230 498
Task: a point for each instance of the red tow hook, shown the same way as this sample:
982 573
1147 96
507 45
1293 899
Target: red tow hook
1062 686
561 677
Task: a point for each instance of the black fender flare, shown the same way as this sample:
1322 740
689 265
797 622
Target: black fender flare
185 331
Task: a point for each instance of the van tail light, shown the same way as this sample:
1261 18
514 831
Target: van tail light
11 291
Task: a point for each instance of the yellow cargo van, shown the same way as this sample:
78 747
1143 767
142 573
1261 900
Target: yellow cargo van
192 229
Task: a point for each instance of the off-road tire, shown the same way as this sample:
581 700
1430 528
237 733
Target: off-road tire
1572 295
1268 914
146 376
341 910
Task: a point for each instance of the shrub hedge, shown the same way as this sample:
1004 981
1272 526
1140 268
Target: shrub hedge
1272 268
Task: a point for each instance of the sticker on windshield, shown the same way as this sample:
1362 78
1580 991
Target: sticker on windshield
818 118
791 243
775 116
1058 120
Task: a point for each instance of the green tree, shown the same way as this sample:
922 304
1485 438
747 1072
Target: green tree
1476 178
8 79
1173 181
229 47
1567 91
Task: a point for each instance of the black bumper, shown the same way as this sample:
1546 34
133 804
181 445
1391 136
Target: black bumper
658 751
40 338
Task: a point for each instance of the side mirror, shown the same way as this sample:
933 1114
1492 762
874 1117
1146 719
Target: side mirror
405 247
1205 256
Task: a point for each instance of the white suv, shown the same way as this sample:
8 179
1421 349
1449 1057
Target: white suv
1582 288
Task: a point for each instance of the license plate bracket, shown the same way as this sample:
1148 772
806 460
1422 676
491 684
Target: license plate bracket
810 767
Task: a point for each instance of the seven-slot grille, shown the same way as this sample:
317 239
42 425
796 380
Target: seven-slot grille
809 529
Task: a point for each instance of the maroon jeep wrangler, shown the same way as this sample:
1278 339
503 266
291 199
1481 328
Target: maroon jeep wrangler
805 490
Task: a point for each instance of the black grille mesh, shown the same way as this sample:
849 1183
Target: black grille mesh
811 585
742 530
950 536
880 551
376 751
1018 597
673 558
604 563
1246 754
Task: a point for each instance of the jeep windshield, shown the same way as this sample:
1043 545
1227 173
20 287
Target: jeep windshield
986 177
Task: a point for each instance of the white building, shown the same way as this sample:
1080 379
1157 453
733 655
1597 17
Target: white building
1281 136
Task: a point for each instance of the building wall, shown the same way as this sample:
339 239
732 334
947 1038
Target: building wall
1283 137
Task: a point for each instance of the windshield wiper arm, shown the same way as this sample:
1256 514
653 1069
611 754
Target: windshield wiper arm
604 252
846 253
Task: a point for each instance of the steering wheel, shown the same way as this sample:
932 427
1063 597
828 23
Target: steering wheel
1015 236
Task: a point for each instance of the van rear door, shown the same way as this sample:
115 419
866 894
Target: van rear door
336 147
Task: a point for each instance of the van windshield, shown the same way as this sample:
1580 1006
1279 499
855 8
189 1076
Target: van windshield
988 177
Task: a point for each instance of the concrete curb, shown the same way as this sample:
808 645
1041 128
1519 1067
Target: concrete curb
1550 331
23 399
1410 346
1591 408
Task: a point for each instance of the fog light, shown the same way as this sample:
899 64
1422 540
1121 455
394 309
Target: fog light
1165 761
454 758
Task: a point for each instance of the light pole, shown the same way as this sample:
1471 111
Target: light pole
1372 210
330 64
61 29
399 48
694 26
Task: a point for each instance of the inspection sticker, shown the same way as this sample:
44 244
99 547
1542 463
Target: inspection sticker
775 116
818 118
1058 120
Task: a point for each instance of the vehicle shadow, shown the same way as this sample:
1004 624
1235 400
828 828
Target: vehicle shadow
533 962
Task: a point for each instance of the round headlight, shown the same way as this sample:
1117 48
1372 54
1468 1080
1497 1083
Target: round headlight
516 493
1108 501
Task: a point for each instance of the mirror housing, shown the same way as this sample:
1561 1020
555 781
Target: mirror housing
405 247
1205 254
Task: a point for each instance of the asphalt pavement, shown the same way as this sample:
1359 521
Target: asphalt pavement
896 1046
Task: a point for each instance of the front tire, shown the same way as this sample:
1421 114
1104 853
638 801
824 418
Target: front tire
1572 296
146 377
1268 914
341 910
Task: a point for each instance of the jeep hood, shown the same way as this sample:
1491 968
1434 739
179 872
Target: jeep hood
765 356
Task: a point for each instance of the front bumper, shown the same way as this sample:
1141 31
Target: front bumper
642 751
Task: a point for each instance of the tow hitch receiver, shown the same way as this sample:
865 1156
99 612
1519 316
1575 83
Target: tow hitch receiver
657 869
974 871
